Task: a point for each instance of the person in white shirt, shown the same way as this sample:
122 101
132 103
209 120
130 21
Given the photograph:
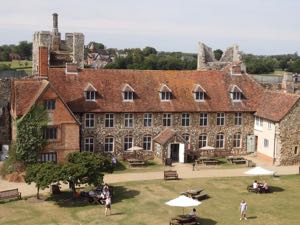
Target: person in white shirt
193 213
243 210
255 184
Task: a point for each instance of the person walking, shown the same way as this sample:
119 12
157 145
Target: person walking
243 209
107 205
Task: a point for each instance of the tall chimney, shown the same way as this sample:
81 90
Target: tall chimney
43 61
55 22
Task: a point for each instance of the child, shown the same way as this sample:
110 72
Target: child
107 205
243 210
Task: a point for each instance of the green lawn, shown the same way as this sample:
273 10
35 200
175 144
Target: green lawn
17 64
141 203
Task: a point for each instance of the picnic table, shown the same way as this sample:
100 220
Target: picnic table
236 160
211 161
136 162
192 192
183 219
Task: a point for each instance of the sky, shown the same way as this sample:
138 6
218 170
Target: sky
258 26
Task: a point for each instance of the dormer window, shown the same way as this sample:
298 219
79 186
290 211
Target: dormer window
90 92
128 93
236 93
90 95
199 93
165 93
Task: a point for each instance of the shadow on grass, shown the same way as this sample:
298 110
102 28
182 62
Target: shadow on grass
275 189
121 166
206 221
66 199
251 217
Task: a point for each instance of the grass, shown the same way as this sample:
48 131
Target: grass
151 166
142 203
18 64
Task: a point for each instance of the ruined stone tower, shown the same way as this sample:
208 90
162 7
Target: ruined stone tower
50 50
207 61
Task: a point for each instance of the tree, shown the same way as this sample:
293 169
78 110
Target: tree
85 167
149 50
218 54
294 66
30 141
42 174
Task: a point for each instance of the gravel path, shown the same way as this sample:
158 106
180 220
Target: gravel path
184 171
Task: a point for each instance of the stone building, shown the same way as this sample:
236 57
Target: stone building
48 44
62 131
4 117
119 109
277 128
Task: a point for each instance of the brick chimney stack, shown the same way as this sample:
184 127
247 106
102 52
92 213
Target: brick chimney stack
43 61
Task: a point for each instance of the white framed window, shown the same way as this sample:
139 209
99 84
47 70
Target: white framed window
269 125
128 142
236 96
199 95
147 140
128 120
202 140
89 120
238 119
186 137
128 95
90 95
48 157
89 144
266 143
258 121
237 140
148 120
49 104
203 119
236 93
109 144
165 95
167 119
220 140
109 120
220 119
185 119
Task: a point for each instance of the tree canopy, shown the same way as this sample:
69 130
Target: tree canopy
42 174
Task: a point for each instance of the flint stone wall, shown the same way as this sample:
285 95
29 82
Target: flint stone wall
289 135
99 132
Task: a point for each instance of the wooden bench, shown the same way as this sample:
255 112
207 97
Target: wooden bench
141 163
14 193
200 196
211 162
239 161
170 175
136 162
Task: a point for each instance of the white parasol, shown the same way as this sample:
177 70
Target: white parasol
135 148
183 201
207 148
259 171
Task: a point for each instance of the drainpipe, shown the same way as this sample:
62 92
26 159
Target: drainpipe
274 149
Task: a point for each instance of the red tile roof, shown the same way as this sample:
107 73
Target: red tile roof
25 93
164 136
147 84
275 106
